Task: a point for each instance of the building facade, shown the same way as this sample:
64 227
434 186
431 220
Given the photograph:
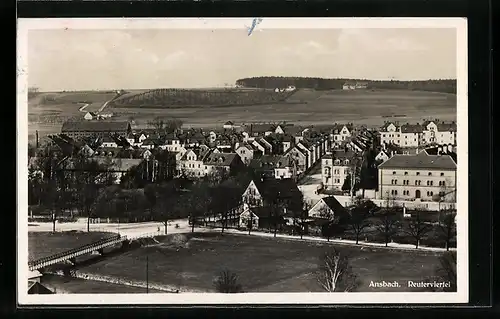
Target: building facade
420 177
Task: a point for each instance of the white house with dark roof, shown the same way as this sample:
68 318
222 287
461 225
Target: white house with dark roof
327 208
439 133
246 152
421 177
414 135
340 133
335 167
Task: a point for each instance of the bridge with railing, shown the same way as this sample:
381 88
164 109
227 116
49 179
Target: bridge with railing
70 255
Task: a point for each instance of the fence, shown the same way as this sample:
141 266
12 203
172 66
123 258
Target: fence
75 252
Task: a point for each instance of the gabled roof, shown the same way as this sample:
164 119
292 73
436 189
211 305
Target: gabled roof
229 123
272 189
97 126
262 128
220 159
421 160
334 205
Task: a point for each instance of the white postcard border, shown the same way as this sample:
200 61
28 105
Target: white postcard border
462 294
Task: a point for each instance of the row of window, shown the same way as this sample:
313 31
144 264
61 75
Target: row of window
335 171
407 193
337 162
418 173
417 183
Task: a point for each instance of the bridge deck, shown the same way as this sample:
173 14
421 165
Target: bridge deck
73 253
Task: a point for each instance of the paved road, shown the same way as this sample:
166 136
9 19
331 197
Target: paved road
128 229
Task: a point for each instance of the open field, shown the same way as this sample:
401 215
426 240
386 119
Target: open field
42 244
305 107
319 107
263 264
47 111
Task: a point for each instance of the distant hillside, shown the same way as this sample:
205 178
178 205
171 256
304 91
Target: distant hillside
270 82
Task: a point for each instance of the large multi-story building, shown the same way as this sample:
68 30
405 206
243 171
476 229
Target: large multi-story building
336 166
414 135
418 177
95 128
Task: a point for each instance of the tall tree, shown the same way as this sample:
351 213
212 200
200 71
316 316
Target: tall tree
86 173
388 225
358 220
417 228
158 124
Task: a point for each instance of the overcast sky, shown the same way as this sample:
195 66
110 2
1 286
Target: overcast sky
115 59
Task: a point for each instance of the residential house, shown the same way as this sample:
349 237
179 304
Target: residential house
266 192
418 177
389 134
336 167
299 157
274 166
417 135
90 116
287 142
151 143
382 156
228 162
264 146
192 162
328 208
439 133
410 135
246 152
308 150
261 129
108 141
173 143
98 128
340 133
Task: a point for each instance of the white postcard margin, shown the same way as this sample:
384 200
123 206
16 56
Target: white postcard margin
462 294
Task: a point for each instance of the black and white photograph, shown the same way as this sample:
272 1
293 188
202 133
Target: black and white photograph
242 160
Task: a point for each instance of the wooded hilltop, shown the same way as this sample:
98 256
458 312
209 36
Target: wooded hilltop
271 82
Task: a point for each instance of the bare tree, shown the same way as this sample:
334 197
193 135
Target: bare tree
227 282
388 225
447 226
358 220
301 217
173 125
417 228
335 273
158 124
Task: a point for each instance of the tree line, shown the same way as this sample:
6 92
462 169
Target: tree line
271 82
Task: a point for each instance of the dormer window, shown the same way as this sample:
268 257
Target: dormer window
442 174
418 173
346 162
406 173
337 162
430 174
393 173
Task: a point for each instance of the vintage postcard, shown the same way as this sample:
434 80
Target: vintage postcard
242 161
